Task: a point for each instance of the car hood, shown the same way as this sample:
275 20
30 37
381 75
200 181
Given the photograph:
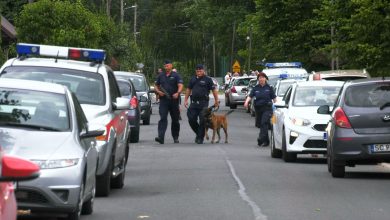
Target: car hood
308 112
34 144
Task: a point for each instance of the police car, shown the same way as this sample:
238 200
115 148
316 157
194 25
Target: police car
297 127
286 70
84 73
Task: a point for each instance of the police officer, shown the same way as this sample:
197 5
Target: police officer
199 88
264 95
168 85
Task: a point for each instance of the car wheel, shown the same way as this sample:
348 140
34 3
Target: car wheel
328 162
233 106
253 114
134 136
146 121
75 215
119 181
88 205
103 182
287 157
275 153
227 101
337 170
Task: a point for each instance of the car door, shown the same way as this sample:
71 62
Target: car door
280 117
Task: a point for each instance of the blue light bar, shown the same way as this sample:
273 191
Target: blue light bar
281 65
63 52
283 75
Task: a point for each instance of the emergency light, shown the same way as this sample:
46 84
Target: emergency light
24 49
281 65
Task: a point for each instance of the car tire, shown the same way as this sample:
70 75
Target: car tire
227 101
75 215
103 182
287 157
146 121
233 106
329 162
275 153
88 205
337 170
253 113
119 181
134 136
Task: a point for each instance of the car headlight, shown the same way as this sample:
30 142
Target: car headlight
300 121
52 164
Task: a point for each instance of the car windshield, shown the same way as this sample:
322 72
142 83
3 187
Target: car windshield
368 95
139 83
88 86
315 95
34 109
242 82
283 87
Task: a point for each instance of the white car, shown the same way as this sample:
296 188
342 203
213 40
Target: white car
83 71
298 128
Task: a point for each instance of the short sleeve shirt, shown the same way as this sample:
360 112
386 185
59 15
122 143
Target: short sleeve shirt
201 86
169 82
262 94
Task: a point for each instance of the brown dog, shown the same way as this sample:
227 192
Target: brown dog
216 122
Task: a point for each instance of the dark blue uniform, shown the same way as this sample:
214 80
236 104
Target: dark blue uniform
170 84
263 96
200 89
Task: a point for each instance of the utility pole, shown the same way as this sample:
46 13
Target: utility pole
232 51
214 56
249 50
135 22
122 11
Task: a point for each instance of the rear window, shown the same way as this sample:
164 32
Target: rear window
242 82
124 88
88 86
368 95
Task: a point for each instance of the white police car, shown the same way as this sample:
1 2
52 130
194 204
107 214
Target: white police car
298 128
276 71
84 73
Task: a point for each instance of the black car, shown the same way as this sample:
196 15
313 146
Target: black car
143 92
128 90
359 129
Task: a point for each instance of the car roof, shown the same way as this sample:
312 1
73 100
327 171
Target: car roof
368 80
319 83
343 73
124 73
54 63
32 85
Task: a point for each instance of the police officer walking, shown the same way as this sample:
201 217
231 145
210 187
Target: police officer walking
199 88
168 85
264 95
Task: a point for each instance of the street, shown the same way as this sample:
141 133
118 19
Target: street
237 180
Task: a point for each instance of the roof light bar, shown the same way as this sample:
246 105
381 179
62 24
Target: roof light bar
281 65
63 52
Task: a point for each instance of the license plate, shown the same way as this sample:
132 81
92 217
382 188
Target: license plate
325 136
380 148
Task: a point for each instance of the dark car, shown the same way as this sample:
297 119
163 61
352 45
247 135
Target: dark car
359 129
143 93
128 90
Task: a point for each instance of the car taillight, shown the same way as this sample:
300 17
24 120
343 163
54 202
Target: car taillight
341 119
134 102
233 89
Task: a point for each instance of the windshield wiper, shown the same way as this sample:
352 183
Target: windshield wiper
384 105
38 127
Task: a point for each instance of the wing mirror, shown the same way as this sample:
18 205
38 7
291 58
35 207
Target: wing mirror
17 169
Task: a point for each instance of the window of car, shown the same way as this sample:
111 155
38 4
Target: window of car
368 95
34 109
88 86
138 82
114 90
315 95
81 118
242 82
124 87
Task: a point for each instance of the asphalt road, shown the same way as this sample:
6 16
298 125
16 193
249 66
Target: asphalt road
237 181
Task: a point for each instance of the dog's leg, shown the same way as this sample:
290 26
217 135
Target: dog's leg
225 130
219 135
207 135
213 138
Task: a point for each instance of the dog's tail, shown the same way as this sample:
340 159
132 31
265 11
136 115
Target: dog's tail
230 111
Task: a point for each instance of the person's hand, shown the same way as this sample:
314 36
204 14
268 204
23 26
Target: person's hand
246 105
161 93
186 103
175 95
216 104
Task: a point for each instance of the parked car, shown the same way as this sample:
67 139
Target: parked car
339 75
13 169
359 129
298 128
84 73
252 83
56 136
234 94
143 92
134 113
277 71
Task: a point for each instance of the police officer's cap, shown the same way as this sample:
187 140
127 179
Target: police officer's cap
167 62
199 67
263 75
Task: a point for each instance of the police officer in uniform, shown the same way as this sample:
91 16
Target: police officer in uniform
264 95
199 88
168 85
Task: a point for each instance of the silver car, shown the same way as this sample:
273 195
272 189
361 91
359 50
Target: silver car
234 94
359 130
44 122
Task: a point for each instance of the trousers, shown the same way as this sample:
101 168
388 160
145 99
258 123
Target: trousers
263 117
196 119
169 106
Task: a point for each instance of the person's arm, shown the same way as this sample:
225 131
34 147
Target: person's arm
216 101
179 89
158 91
188 93
248 99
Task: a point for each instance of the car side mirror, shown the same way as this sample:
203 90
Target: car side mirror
17 169
121 103
89 134
323 109
280 104
151 89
